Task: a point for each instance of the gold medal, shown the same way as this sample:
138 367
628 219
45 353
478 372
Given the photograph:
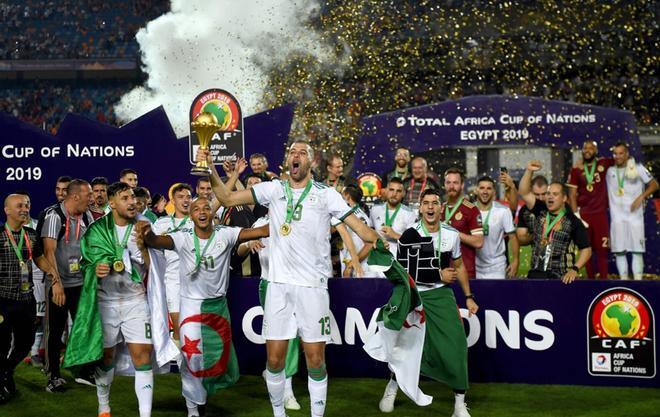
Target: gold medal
23 265
600 168
544 241
285 229
118 266
590 187
458 216
620 191
25 286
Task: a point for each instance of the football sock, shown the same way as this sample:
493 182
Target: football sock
103 377
144 390
38 337
192 408
637 265
275 381
318 392
317 384
459 398
288 387
622 265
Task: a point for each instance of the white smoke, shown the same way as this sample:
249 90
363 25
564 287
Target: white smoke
228 44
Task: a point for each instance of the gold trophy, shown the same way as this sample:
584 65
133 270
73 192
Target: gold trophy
204 125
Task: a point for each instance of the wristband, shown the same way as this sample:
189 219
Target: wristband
470 296
575 268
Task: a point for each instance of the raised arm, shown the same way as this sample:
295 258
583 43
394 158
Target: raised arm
225 196
526 183
151 239
510 191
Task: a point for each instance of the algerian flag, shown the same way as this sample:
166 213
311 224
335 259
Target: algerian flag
85 343
401 327
209 358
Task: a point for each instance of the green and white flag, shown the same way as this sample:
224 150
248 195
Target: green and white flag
209 358
399 340
85 343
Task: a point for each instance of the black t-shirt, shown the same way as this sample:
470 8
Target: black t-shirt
417 255
554 258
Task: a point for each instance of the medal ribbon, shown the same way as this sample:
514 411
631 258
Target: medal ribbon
412 188
546 228
450 214
290 207
619 178
68 226
118 247
198 255
18 249
426 233
175 227
589 172
485 222
389 220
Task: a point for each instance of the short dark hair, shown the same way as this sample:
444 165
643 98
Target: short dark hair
64 178
355 193
125 171
455 170
181 186
621 144
430 191
99 181
486 178
141 192
539 181
564 189
75 185
251 175
155 199
203 179
117 187
396 180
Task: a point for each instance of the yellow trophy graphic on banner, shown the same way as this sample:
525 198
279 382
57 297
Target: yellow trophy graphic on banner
205 125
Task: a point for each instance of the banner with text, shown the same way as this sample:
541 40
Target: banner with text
490 120
32 160
538 332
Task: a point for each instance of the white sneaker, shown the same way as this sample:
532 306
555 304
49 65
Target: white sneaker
290 403
460 410
386 404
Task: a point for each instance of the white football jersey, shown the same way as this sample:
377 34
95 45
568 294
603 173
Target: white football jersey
493 253
620 204
166 225
357 241
119 288
303 256
404 219
211 278
265 252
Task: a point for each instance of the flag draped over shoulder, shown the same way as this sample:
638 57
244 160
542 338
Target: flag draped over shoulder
85 343
401 327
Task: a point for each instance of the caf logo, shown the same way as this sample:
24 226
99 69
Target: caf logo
621 325
370 184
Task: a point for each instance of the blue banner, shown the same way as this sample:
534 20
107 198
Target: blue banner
536 332
490 120
32 160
